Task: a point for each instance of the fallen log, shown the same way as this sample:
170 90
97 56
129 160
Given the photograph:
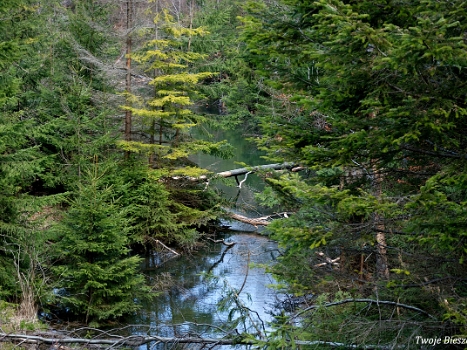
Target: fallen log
243 171
255 222
262 221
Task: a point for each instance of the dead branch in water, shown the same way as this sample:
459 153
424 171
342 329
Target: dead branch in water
262 221
243 171
163 245
228 244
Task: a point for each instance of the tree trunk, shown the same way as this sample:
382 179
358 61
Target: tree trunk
129 25
382 267
254 222
243 171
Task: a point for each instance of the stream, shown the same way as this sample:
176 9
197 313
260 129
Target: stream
206 280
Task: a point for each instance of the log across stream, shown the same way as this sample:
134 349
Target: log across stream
207 280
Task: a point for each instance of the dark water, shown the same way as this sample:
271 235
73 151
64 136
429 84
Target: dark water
207 279
200 301
242 201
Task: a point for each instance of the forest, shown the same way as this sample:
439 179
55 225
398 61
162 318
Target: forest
358 107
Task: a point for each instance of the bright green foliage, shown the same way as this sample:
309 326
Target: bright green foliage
375 95
95 275
165 118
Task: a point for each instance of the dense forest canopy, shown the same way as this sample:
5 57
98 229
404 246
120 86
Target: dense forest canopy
97 103
374 104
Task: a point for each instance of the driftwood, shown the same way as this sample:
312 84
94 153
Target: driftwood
228 244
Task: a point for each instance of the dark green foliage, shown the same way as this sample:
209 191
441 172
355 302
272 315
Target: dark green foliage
374 105
20 160
233 89
95 275
154 208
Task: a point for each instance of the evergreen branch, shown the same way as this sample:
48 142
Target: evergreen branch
436 280
393 232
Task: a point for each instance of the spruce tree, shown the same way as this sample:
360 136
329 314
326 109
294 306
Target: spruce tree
379 121
69 93
96 277
163 118
20 160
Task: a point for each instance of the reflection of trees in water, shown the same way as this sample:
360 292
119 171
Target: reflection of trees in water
179 303
198 283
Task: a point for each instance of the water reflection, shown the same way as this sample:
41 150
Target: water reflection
203 281
242 200
206 280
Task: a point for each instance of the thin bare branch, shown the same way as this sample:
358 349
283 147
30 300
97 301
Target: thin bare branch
370 301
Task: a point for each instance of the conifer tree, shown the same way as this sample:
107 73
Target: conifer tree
164 118
20 159
380 122
97 278
70 95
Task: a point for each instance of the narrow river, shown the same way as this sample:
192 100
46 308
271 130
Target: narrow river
201 300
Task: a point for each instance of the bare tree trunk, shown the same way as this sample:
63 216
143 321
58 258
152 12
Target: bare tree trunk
255 222
129 24
382 267
191 23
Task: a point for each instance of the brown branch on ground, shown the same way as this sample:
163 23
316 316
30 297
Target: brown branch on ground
136 340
